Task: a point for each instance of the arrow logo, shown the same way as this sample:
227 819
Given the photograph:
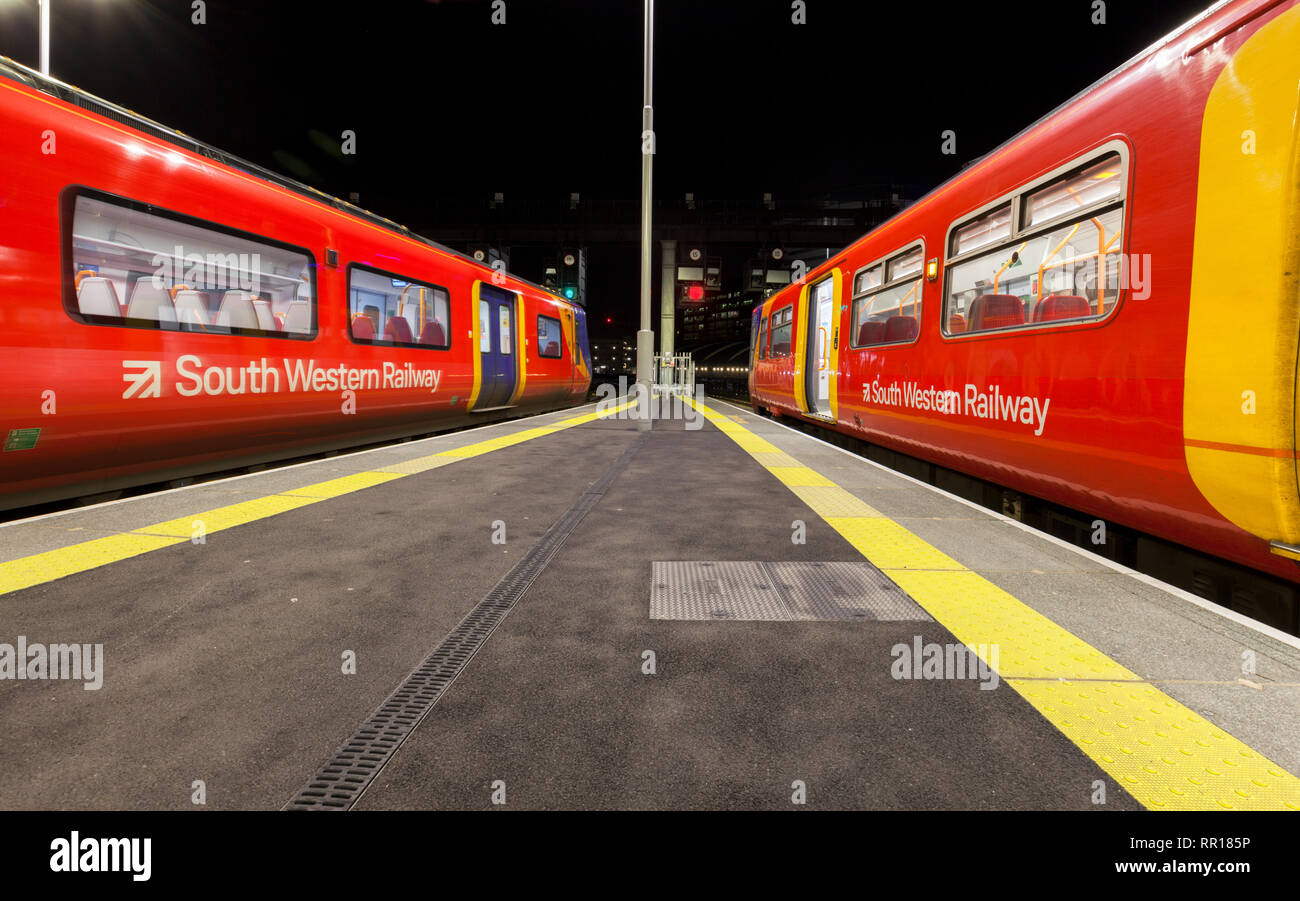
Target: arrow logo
146 382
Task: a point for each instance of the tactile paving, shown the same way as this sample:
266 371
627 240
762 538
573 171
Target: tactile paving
1160 751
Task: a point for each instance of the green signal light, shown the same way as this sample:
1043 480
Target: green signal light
570 292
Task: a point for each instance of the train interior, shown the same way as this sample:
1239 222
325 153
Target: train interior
1059 265
392 310
138 268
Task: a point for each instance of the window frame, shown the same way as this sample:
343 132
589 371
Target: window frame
885 285
776 311
67 222
542 354
1017 198
378 342
763 333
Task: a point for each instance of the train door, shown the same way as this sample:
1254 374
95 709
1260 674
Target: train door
497 346
821 311
581 360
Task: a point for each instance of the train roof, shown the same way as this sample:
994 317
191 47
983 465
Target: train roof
16 71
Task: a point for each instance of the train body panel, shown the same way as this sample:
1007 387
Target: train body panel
123 364
1104 408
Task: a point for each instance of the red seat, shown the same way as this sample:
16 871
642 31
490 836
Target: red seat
871 332
398 329
901 328
956 324
432 333
362 328
1062 306
996 311
552 349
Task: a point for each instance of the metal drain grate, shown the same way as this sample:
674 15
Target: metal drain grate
347 774
777 592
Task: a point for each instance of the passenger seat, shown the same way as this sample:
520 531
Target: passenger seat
363 329
96 295
150 302
397 329
265 320
298 317
1062 306
237 311
871 332
990 311
901 328
432 333
191 308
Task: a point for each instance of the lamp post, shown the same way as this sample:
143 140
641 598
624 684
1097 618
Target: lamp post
645 337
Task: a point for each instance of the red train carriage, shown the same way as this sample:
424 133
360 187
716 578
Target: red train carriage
1104 312
169 310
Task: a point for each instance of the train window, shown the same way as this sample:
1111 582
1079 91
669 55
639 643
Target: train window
140 266
782 330
762 339
1064 263
868 279
889 313
988 228
392 311
905 264
503 323
548 338
1095 184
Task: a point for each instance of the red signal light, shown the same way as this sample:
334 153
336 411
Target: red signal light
695 292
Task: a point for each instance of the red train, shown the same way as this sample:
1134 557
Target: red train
1104 312
168 310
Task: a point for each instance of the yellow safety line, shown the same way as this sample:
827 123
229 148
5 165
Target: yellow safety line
38 569
1160 751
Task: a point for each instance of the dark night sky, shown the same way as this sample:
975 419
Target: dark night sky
447 105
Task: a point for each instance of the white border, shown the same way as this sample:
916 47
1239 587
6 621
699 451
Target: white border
1264 629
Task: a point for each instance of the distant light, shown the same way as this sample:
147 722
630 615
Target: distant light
695 292
570 292
608 320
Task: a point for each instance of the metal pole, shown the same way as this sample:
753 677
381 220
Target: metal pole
667 295
45 37
645 337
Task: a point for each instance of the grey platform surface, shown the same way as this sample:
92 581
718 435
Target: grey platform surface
223 661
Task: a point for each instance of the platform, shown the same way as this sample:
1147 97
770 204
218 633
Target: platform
567 612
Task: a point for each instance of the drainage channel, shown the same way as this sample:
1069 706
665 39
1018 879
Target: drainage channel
341 781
